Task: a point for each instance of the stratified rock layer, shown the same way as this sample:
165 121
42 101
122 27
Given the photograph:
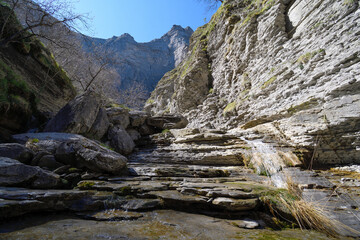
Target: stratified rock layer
286 69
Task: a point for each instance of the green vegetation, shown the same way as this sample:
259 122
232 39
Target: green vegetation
305 58
230 107
211 90
349 2
124 191
150 101
303 106
106 146
33 140
73 170
85 184
256 8
116 105
27 44
165 131
14 92
268 82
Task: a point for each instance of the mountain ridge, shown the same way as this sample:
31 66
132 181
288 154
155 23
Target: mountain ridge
142 62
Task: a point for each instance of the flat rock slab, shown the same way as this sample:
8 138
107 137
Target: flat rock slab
307 179
13 208
15 173
236 204
111 215
178 197
18 201
124 188
42 195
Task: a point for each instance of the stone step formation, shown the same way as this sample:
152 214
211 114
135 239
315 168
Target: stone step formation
192 171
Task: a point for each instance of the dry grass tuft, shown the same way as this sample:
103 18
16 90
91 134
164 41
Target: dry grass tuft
310 215
307 214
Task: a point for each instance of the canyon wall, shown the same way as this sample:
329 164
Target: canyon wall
287 71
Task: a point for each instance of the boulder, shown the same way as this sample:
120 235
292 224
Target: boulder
38 156
98 158
118 116
100 126
137 118
120 140
145 130
15 173
76 150
167 121
135 135
49 162
16 151
78 116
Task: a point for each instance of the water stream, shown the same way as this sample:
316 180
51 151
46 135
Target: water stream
266 160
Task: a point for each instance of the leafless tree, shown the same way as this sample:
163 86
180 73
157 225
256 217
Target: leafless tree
36 15
54 23
212 4
134 96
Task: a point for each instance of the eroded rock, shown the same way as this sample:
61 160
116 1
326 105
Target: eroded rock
77 151
16 151
78 116
120 140
15 173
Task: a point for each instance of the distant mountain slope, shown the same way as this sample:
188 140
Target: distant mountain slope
143 62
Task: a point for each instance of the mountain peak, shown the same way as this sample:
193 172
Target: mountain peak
126 36
178 28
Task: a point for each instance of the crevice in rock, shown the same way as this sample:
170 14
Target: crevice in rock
289 27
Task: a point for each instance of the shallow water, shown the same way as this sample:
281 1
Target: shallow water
161 224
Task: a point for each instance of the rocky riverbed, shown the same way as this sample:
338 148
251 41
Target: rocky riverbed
179 184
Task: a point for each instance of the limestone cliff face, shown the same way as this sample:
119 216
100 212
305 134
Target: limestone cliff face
145 62
287 70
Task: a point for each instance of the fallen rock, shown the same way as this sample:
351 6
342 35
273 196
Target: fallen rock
167 121
118 116
15 173
78 116
249 224
100 126
236 204
120 140
48 161
137 118
135 135
16 151
77 151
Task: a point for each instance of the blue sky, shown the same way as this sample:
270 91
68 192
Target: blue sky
145 20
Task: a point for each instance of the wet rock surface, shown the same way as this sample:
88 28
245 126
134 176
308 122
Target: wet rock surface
160 179
166 224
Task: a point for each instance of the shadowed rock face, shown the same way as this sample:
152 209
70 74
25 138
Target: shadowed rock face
285 69
75 150
144 62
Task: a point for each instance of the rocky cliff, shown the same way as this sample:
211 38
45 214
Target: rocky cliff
144 63
284 70
32 83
